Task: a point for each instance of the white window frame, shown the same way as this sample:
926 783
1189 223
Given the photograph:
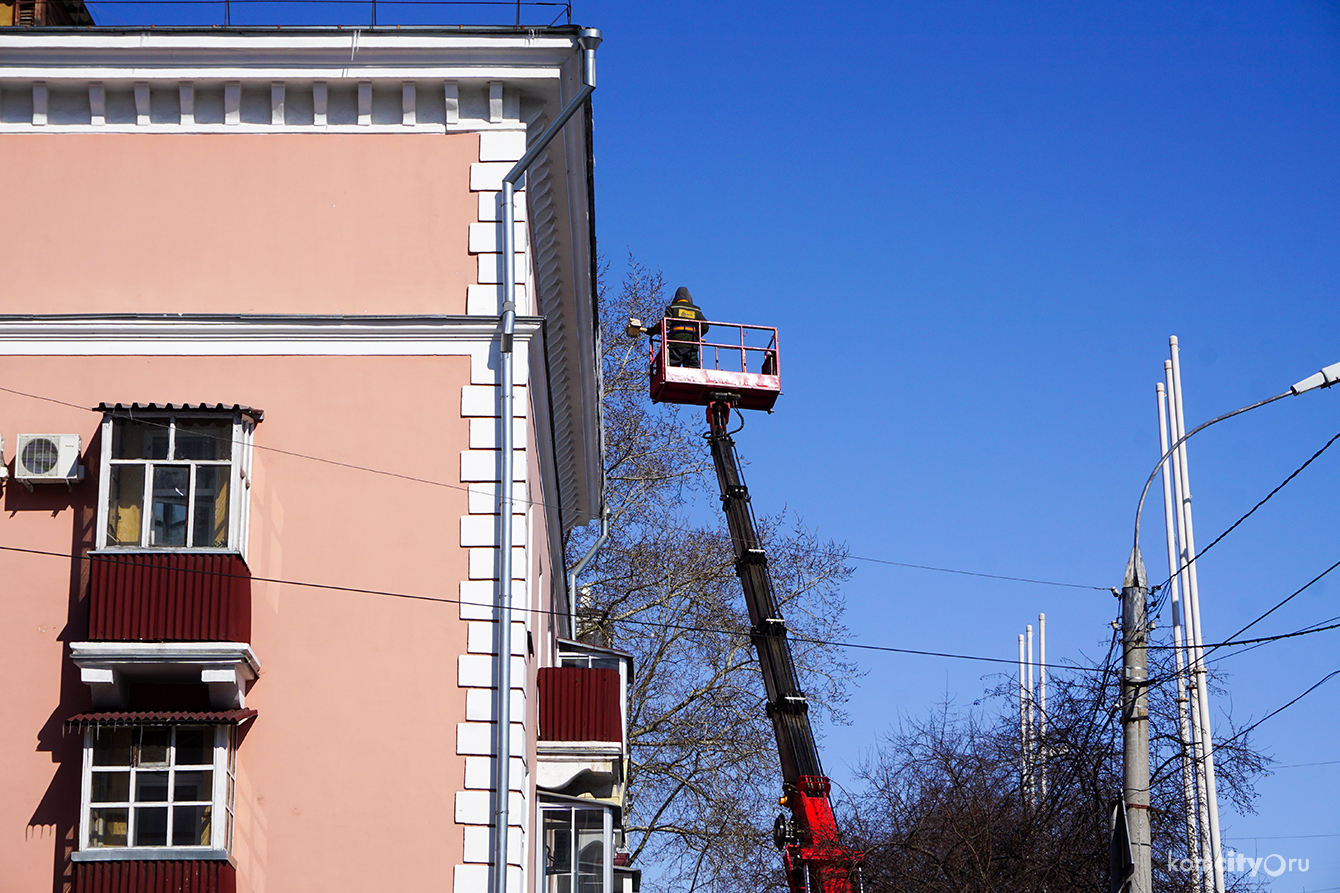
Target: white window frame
221 801
569 656
542 853
239 479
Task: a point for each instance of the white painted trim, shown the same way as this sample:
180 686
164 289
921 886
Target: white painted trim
142 104
97 104
186 98
320 102
253 336
104 653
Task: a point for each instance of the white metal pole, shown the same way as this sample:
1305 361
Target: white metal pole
1174 596
1042 704
1032 774
1023 729
1197 641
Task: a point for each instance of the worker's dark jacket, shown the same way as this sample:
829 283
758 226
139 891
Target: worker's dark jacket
682 323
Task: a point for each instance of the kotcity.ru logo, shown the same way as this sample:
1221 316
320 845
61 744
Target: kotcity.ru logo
1273 865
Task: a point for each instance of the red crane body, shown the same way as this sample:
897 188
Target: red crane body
815 858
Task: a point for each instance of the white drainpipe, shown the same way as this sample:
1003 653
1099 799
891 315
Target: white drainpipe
588 39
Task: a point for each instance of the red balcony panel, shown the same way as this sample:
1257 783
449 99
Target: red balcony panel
194 876
169 597
580 704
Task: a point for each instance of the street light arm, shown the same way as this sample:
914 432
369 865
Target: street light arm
1228 415
1323 379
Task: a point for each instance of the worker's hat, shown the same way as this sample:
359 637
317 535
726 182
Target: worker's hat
682 296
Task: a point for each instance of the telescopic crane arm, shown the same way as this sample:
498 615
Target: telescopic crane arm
816 862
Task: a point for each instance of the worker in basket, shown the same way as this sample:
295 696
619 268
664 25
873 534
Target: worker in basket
684 329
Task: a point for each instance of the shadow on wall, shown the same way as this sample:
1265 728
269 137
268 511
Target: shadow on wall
56 815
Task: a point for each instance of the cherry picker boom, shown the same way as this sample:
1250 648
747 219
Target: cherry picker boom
815 859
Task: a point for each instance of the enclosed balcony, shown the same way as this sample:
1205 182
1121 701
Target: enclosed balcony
581 704
583 739
169 597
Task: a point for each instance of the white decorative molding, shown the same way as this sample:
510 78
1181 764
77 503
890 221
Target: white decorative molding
39 104
320 98
142 104
232 103
107 668
97 104
186 98
452 108
277 103
154 335
364 103
409 104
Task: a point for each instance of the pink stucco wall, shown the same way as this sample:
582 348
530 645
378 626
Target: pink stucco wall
238 223
346 779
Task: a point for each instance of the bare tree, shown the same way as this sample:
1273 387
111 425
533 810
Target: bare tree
945 807
704 772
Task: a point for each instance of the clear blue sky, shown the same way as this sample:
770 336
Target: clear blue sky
976 225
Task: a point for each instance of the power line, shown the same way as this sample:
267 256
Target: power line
948 570
1278 710
805 640
1158 605
1303 765
525 500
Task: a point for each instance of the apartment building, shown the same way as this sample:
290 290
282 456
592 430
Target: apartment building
265 495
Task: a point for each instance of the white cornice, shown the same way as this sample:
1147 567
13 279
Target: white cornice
117 335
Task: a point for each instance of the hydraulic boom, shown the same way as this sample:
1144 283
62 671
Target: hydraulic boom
816 861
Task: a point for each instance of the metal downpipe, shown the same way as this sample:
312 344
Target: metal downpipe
588 39
581 566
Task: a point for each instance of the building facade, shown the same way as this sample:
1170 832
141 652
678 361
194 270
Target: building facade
250 389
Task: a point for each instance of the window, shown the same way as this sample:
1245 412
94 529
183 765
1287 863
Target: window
157 786
577 850
174 481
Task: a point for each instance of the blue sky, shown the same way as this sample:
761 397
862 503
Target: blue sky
976 225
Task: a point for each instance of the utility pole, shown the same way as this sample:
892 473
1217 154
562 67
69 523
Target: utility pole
1135 720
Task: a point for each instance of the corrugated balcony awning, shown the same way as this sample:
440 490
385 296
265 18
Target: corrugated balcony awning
161 717
132 408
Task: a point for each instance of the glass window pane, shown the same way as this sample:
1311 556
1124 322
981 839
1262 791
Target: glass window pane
190 826
111 747
151 826
153 749
169 505
195 746
133 439
204 439
125 509
151 787
193 785
107 826
590 834
111 787
557 851
211 506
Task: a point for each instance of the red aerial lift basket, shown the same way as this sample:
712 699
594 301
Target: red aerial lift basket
734 359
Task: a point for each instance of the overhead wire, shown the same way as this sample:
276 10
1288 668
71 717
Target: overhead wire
465 488
806 640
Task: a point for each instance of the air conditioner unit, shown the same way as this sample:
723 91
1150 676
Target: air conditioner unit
4 468
48 457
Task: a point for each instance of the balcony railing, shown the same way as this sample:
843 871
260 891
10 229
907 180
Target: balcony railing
580 704
169 597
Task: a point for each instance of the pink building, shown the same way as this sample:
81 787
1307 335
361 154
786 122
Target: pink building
252 374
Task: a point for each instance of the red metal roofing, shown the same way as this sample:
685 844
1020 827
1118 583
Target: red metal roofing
256 414
162 717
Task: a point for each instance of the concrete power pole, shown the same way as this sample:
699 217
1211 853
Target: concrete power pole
1135 720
